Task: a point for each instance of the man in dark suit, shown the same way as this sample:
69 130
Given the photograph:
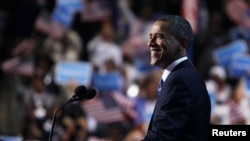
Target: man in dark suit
182 110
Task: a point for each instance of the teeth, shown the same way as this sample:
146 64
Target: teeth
154 52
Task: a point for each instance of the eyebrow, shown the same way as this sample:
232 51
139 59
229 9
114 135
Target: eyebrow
158 33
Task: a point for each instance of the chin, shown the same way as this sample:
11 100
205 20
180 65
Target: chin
153 62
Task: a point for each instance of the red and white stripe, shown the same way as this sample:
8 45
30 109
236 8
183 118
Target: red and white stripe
125 103
97 109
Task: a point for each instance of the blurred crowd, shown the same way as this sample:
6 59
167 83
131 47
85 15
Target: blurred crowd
109 37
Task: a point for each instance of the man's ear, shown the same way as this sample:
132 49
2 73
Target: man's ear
183 43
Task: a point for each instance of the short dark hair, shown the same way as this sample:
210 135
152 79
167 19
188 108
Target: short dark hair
179 27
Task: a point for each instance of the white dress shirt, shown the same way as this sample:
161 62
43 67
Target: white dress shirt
171 67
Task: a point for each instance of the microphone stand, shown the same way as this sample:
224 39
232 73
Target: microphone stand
90 94
54 116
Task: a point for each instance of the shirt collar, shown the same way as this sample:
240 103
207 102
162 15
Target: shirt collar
170 67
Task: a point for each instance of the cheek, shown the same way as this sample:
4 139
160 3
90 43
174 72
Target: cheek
164 48
161 53
164 44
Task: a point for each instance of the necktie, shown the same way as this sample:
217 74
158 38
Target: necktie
159 86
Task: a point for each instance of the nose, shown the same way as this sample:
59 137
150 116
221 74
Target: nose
151 42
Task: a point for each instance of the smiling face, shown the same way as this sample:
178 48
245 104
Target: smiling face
163 46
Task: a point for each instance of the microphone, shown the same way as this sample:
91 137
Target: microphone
81 92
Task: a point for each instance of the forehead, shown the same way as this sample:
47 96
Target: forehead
159 26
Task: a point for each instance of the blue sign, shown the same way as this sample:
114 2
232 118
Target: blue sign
107 82
64 11
224 54
240 65
78 72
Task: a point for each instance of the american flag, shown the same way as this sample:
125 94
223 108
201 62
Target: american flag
103 114
126 104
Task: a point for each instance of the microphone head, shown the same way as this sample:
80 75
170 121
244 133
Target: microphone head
91 93
80 92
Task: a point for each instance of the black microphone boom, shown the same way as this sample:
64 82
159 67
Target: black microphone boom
81 93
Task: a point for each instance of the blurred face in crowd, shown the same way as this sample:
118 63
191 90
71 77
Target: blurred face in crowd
107 32
238 92
38 84
163 45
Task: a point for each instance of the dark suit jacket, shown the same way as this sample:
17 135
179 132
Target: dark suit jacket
182 110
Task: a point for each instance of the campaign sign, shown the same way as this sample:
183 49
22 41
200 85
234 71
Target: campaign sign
64 11
239 65
108 81
78 72
223 54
